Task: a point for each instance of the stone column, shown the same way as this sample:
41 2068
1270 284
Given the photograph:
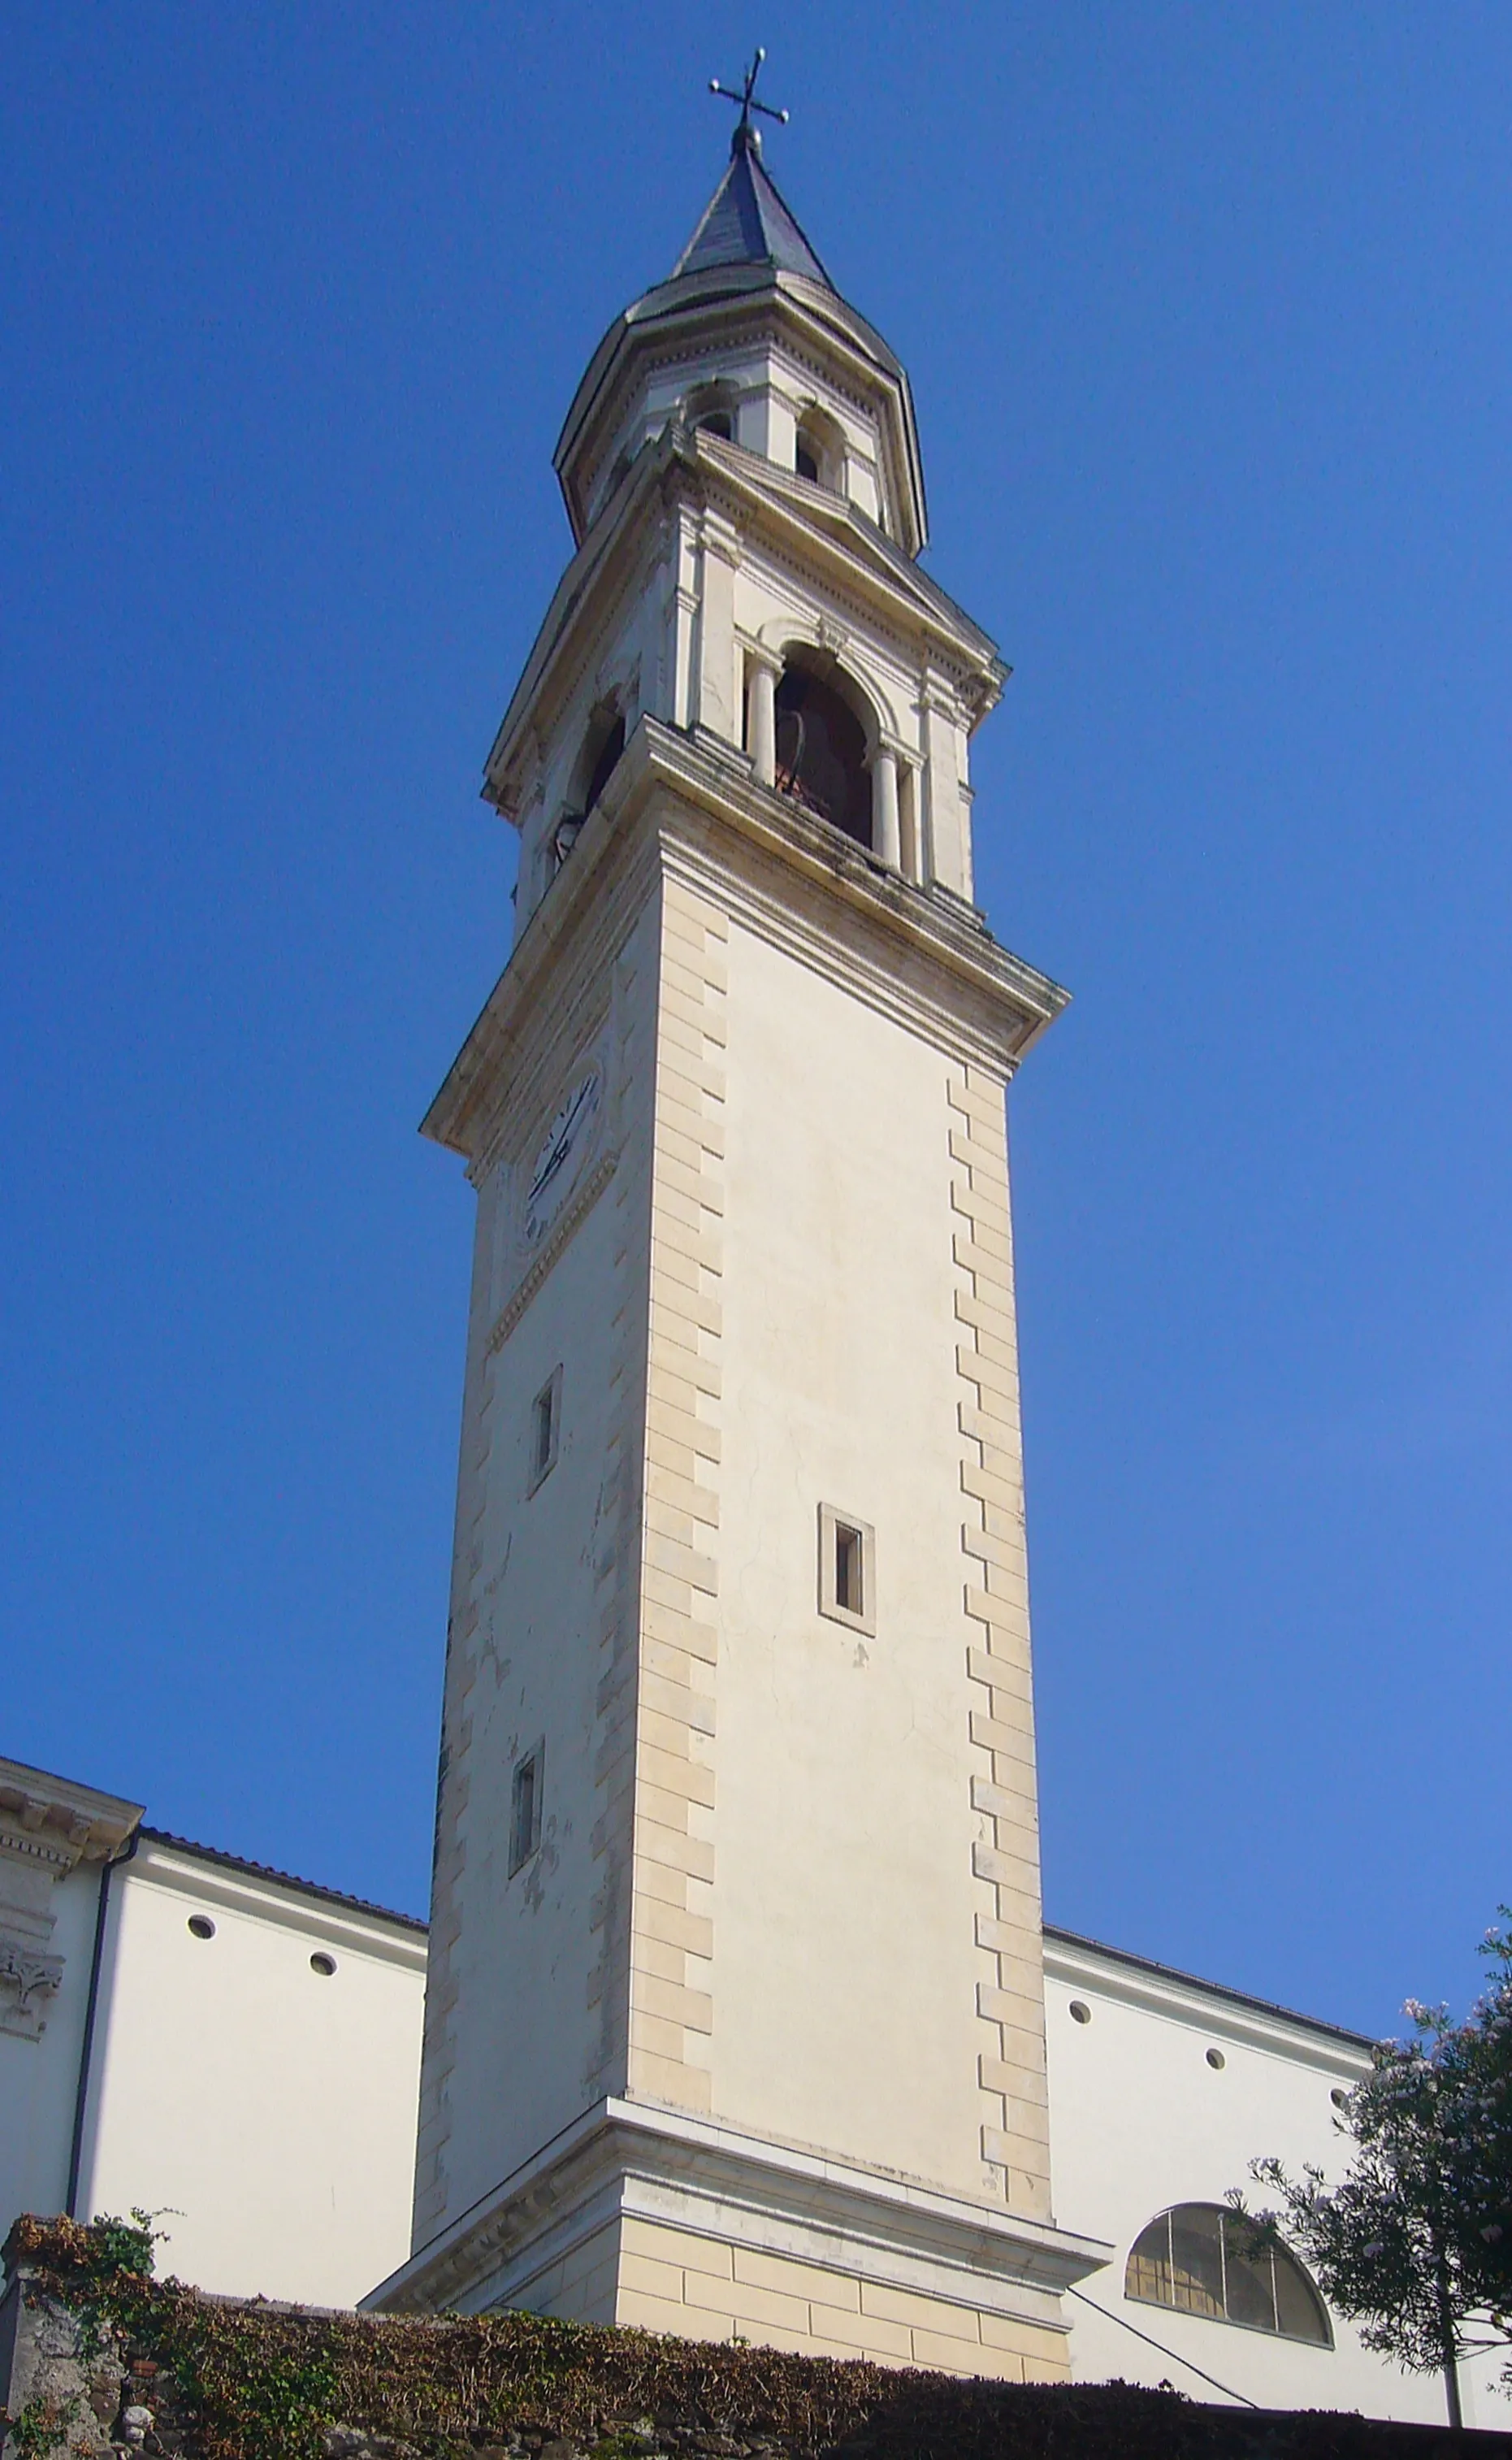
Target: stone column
911 814
763 667
886 836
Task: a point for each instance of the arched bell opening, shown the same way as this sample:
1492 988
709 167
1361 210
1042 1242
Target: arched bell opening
819 452
606 740
603 742
712 409
822 746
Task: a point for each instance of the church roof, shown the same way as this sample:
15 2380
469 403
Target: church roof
1077 1941
746 223
282 1878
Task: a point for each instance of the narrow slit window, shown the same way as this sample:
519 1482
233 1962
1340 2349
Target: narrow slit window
850 1592
545 1428
525 1808
847 1569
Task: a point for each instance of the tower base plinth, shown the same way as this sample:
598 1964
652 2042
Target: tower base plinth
644 2216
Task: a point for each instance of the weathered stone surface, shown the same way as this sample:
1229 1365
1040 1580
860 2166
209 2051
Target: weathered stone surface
52 2380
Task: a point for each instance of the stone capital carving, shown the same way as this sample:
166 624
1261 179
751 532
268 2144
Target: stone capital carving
27 1975
47 1826
760 653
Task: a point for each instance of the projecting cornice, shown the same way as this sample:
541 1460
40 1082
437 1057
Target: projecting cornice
691 803
47 1826
49 1822
663 2165
719 305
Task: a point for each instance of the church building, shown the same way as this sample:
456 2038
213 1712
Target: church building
740 2014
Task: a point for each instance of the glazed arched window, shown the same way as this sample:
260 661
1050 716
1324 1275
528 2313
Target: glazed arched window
1205 2260
822 751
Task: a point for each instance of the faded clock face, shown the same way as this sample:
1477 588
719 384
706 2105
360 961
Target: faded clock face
559 1164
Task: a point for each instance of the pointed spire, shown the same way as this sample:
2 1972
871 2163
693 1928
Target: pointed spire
746 223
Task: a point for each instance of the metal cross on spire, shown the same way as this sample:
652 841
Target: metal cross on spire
746 96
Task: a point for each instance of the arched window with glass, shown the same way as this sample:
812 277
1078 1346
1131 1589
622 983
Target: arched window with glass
1206 2260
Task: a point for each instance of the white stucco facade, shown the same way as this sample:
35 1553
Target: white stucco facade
1163 2091
269 2109
186 2056
260 2102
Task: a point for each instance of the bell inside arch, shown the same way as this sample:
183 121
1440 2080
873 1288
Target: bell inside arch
821 752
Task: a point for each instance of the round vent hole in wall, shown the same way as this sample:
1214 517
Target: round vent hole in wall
201 1927
1216 2058
1338 2096
321 1963
1080 2012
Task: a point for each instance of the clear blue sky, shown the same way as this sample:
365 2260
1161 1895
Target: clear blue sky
1208 313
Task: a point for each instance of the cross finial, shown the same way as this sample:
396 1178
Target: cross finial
746 96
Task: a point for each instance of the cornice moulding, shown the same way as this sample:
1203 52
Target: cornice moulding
723 303
1209 2011
50 1821
691 2173
263 1901
957 985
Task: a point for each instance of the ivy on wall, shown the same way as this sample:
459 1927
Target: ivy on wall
244 2380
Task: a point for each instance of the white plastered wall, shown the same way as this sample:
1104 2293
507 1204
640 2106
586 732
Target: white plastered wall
528 1675
518 2030
844 1965
1140 2121
265 2110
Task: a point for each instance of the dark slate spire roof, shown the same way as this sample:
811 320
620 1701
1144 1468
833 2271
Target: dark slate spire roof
745 221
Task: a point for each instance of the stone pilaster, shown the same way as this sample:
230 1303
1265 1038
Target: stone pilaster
1009 1993
671 2009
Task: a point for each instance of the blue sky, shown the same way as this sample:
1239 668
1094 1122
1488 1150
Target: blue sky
1207 311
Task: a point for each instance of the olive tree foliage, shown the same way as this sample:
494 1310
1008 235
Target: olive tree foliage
1415 2245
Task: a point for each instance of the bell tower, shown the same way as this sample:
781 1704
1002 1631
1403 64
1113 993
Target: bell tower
735 2017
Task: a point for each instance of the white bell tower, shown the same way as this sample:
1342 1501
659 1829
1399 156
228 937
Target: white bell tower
735 2015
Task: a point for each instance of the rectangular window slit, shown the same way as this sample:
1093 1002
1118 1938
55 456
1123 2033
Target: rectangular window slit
545 1428
848 1587
525 1809
848 1569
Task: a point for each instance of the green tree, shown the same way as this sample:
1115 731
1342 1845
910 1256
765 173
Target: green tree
1415 2245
